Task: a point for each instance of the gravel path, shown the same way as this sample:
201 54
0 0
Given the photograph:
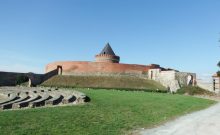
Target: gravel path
205 122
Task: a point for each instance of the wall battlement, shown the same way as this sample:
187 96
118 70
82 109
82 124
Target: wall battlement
107 58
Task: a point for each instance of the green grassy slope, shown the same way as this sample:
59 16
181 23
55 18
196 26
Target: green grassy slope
194 90
109 113
103 82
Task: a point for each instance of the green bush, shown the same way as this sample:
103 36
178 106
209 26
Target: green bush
218 73
218 64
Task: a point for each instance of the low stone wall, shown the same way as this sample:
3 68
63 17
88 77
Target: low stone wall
11 78
25 97
139 75
207 86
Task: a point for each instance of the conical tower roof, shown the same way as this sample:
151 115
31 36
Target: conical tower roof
108 50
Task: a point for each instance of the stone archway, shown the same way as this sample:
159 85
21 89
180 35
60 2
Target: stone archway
31 80
60 70
190 80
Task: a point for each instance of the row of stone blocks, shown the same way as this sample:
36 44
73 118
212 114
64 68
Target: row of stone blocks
39 98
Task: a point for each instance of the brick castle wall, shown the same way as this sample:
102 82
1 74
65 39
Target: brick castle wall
92 68
107 58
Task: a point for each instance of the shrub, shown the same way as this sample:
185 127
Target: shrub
218 73
194 90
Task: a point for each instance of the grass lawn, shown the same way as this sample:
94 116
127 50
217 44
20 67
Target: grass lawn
109 113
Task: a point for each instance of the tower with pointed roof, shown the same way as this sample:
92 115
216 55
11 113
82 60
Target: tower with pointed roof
107 55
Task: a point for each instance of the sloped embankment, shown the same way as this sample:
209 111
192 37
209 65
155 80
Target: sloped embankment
116 82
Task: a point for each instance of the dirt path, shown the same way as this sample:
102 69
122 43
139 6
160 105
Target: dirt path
205 122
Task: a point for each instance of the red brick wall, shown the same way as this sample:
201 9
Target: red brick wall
72 67
107 58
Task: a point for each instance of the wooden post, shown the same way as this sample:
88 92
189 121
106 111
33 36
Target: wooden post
219 83
213 83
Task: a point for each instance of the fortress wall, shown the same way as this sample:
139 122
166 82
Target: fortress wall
48 75
107 58
9 78
97 68
166 78
182 77
171 79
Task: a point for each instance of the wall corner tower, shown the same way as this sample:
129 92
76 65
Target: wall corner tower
107 55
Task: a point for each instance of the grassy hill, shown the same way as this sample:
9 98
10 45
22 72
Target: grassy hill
104 82
194 90
110 112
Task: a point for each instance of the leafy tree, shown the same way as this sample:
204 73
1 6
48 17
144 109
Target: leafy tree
218 73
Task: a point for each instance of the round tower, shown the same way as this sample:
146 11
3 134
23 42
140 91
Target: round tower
107 55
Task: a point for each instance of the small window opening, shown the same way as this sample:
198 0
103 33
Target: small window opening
151 75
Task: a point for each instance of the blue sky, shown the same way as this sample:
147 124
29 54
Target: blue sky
180 34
